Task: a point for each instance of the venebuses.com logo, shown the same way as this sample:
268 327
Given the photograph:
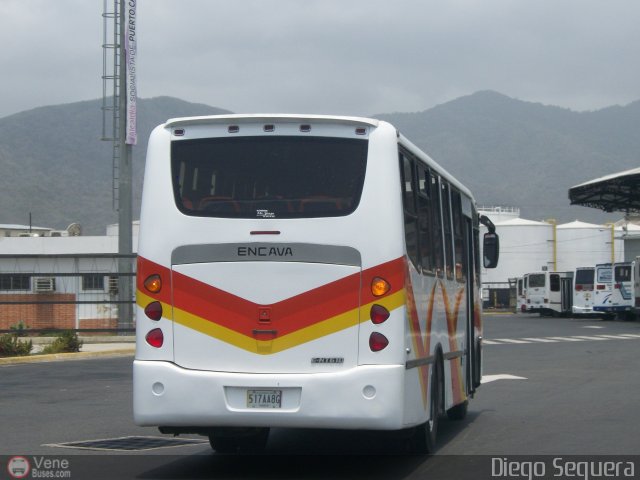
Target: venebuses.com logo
18 467
38 467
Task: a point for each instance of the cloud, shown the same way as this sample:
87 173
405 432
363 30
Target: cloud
332 56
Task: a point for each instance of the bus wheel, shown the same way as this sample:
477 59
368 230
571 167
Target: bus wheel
239 440
459 411
424 436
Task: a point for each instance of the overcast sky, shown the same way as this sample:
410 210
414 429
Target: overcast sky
358 57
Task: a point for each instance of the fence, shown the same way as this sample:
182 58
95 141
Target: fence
54 292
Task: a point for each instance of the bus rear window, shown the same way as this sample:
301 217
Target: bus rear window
623 273
585 277
268 177
536 280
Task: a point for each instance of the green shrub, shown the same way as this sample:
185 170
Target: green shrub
67 342
11 346
19 328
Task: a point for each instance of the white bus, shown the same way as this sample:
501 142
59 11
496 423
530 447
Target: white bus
303 271
583 291
549 293
622 294
636 286
603 288
521 294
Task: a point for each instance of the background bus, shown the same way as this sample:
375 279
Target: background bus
550 293
583 292
622 292
603 288
304 271
521 294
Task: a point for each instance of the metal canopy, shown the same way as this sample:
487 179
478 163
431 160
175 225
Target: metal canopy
619 192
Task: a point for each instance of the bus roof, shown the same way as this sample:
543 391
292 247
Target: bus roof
257 118
326 119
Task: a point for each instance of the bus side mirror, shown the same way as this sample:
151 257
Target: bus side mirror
491 250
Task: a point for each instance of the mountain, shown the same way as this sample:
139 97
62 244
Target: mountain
507 151
55 167
523 154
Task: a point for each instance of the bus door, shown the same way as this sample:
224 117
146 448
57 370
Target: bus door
474 327
566 298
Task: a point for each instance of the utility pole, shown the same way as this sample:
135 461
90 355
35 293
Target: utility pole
118 127
125 241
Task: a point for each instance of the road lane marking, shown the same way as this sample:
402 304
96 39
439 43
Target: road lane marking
500 376
574 338
510 340
541 340
568 339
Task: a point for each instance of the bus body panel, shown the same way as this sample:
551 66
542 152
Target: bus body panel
584 293
603 288
636 285
366 397
537 295
622 298
254 316
550 293
258 316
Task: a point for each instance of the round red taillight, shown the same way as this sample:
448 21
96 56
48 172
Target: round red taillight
155 338
377 342
153 310
379 314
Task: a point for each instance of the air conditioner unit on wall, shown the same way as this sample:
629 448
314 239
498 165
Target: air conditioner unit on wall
44 284
113 285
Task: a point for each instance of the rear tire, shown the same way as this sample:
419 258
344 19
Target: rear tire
458 412
239 440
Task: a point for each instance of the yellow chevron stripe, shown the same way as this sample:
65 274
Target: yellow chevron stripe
278 344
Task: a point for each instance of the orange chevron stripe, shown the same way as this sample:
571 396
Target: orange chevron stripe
298 319
421 343
452 327
282 342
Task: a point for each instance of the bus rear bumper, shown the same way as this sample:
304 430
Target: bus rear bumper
583 310
366 397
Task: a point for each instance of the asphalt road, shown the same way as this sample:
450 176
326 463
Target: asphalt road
555 386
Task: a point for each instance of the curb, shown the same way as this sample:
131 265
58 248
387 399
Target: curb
57 357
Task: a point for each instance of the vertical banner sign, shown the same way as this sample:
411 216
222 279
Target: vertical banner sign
131 47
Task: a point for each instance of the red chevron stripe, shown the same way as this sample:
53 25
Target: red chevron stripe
292 314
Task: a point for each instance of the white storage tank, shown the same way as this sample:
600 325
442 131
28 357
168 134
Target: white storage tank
525 246
581 244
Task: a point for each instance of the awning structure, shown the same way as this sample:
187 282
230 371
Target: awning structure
619 192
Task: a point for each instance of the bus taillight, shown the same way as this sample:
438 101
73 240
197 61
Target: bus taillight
153 310
379 286
578 288
153 283
377 342
379 314
155 338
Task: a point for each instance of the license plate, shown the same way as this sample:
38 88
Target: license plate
264 398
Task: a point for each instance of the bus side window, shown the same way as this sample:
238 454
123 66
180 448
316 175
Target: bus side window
424 220
458 236
436 227
448 237
409 206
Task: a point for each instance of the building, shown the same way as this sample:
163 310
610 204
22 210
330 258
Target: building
59 281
